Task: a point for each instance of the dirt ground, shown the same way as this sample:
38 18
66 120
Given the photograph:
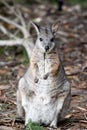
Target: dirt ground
72 42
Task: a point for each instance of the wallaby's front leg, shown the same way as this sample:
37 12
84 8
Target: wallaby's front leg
34 68
51 67
53 71
46 76
34 72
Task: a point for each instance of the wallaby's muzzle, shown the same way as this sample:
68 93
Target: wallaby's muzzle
46 48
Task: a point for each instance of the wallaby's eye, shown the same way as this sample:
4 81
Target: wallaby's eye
41 39
52 39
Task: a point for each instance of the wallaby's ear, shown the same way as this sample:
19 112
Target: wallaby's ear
37 28
55 27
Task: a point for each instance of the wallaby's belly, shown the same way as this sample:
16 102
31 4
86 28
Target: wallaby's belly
43 105
41 108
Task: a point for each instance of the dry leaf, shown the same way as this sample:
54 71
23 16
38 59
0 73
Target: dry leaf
6 128
2 87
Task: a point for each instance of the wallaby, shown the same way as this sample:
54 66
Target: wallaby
44 93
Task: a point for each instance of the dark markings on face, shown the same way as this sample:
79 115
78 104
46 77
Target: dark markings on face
46 33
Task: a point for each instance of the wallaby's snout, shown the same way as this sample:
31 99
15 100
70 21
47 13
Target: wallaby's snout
46 48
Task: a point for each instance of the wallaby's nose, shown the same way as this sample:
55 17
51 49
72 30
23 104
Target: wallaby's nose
46 48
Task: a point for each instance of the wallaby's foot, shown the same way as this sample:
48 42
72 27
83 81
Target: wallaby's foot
50 128
53 124
46 76
36 80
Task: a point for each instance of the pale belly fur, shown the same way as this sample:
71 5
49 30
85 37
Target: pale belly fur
41 107
41 110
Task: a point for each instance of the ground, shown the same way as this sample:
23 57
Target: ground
72 42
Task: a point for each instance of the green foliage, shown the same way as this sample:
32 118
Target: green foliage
34 126
14 51
2 50
81 2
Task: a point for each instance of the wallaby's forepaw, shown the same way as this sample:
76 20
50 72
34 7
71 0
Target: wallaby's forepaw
36 80
46 76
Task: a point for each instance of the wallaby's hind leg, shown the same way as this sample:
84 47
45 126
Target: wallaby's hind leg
19 105
58 109
66 105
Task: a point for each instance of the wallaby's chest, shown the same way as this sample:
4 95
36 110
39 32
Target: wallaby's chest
48 62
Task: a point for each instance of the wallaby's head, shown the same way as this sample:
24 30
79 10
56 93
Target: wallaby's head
45 37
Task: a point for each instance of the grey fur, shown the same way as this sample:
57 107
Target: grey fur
46 100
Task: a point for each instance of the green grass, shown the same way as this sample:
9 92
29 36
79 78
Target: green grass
34 126
11 53
24 53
